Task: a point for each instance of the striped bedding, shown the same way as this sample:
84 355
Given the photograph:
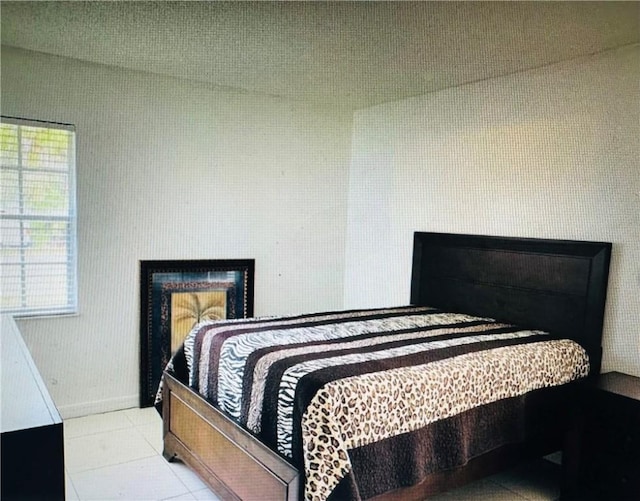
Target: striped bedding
319 387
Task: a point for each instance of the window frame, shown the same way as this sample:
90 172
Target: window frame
68 303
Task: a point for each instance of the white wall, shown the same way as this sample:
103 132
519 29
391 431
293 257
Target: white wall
170 169
549 153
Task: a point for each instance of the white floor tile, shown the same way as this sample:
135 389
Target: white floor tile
153 434
70 490
205 495
182 497
96 423
141 417
141 480
187 476
535 481
104 449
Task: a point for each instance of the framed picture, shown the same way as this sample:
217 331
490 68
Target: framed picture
177 295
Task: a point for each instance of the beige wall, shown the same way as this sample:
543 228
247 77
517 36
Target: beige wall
549 153
170 169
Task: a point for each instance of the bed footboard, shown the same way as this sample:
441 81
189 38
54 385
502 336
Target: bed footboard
230 460
236 466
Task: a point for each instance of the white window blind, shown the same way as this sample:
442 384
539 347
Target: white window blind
37 218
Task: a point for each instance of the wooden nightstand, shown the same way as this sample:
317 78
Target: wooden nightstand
606 458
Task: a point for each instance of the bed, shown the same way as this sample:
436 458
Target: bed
530 289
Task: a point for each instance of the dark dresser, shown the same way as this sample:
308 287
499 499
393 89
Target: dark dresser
607 454
32 444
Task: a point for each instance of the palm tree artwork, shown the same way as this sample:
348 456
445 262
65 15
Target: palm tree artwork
190 308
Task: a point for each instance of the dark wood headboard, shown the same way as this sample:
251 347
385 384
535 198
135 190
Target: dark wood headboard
559 286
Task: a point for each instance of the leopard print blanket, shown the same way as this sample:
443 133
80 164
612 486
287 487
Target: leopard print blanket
356 411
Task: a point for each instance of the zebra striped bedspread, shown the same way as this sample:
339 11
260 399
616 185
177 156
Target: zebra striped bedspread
314 387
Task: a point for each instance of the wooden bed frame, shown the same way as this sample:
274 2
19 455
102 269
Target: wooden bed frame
554 285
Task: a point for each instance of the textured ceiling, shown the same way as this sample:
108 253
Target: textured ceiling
352 54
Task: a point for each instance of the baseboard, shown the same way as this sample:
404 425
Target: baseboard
98 407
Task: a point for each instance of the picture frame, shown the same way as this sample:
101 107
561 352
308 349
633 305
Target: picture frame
175 296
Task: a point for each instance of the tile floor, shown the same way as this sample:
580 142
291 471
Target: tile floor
117 455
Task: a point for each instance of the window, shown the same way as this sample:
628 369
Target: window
37 218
